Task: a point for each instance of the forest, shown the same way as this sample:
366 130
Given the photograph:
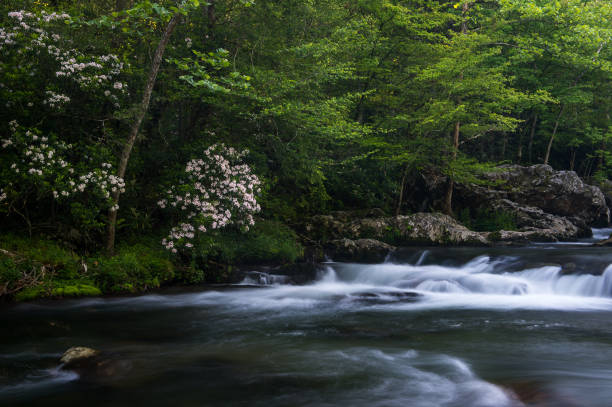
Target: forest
149 142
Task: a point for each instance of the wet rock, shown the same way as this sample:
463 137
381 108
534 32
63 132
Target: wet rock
93 365
78 355
605 242
387 297
568 268
360 250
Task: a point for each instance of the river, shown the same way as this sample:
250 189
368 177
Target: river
456 327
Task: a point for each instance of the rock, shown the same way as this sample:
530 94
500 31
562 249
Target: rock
560 193
605 242
606 188
436 228
93 365
360 250
420 228
568 268
77 355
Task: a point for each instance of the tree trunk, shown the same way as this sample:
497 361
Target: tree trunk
140 114
531 135
401 193
448 199
573 159
210 14
552 136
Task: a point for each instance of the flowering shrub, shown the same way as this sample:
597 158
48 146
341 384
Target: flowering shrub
219 191
39 48
40 164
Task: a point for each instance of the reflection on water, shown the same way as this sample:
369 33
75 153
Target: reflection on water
437 327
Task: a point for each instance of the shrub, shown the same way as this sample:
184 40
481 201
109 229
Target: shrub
134 268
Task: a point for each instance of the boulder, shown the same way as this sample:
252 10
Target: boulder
534 224
437 229
420 228
560 193
360 250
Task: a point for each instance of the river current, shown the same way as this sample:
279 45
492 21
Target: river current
456 327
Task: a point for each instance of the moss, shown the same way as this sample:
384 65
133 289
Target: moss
76 290
58 289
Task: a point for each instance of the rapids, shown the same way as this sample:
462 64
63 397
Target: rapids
455 327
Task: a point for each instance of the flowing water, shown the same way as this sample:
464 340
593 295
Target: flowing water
456 327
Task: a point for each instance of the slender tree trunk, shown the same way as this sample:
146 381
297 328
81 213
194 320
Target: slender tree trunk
134 129
600 165
552 136
573 159
531 136
504 145
448 199
210 12
401 193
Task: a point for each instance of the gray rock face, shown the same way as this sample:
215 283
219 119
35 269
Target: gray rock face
371 239
437 228
560 193
420 228
534 224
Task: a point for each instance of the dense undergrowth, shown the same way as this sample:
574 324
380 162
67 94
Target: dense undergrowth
39 267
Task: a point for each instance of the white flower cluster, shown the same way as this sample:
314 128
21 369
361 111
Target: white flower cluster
220 191
54 99
88 71
41 159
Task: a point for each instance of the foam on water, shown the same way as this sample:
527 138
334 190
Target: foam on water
40 381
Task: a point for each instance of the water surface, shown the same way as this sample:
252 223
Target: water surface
432 327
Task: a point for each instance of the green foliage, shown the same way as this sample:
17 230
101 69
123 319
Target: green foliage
342 105
134 269
59 289
267 242
487 220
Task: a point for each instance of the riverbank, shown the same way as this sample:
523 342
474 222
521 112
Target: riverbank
41 267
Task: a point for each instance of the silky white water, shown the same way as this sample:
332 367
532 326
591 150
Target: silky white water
456 327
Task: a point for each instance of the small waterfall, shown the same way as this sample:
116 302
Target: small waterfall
479 276
261 278
422 258
601 233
